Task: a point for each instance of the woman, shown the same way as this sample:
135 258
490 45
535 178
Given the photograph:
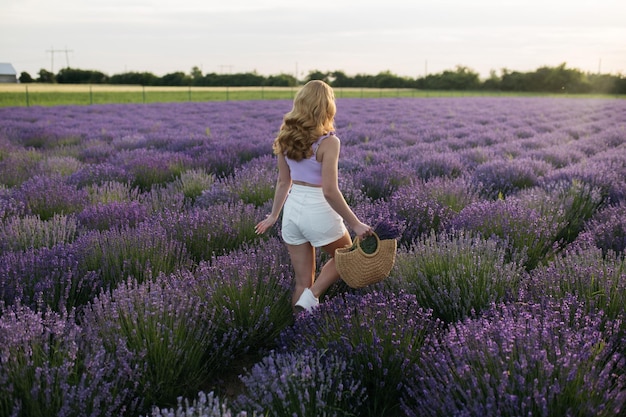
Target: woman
307 187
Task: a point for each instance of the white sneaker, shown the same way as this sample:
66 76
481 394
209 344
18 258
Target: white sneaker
307 301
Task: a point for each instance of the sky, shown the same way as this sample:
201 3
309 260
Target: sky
409 38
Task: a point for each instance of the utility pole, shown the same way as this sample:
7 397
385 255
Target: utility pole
53 51
228 67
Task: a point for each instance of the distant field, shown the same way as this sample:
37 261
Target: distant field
25 95
55 94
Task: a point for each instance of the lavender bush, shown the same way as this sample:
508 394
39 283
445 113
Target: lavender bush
251 289
112 191
438 165
454 194
116 214
48 369
9 206
142 252
38 358
253 183
600 174
570 205
310 383
457 275
607 229
171 335
99 174
48 277
38 137
379 334
214 230
162 198
18 166
205 405
59 165
192 183
506 177
597 279
529 235
380 181
429 206
543 359
149 167
46 196
30 232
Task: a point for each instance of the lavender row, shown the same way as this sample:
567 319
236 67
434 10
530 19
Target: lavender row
131 277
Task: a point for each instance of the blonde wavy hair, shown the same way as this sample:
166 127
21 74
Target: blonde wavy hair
312 116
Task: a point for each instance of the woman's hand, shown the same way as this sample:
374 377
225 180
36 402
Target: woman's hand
362 230
264 225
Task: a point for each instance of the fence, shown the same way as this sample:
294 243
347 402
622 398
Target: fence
64 94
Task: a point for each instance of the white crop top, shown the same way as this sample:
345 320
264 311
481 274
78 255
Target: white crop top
308 170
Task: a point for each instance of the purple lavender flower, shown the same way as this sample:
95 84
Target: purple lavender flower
505 177
112 215
597 278
427 206
213 230
169 334
28 232
379 182
379 216
457 275
52 277
379 334
529 234
98 174
419 210
251 288
149 167
311 383
545 359
205 405
47 196
252 183
47 369
9 206
142 252
607 229
433 165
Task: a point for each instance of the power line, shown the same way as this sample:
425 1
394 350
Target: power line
54 51
227 67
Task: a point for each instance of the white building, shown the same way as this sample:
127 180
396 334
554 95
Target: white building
7 73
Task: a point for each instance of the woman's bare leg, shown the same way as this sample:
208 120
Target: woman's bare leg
329 275
303 262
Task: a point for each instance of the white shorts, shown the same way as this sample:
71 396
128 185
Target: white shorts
307 217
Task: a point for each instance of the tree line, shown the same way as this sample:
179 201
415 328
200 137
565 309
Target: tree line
545 80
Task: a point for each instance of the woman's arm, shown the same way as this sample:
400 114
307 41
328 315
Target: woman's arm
328 155
283 184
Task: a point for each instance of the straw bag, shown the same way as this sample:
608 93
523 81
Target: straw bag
358 268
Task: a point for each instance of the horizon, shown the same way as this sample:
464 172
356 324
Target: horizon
497 73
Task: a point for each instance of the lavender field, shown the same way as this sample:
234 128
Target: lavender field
132 282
